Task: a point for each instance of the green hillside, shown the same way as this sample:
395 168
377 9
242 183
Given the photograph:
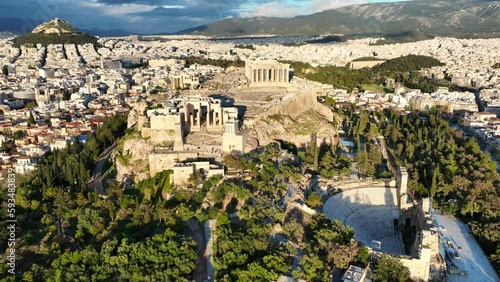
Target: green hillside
46 39
54 32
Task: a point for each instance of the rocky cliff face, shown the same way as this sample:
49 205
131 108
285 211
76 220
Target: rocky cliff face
55 26
138 110
293 121
132 118
297 131
131 158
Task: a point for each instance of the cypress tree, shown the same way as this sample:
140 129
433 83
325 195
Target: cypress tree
31 119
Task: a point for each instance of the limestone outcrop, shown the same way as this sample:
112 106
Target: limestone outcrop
138 110
56 26
297 131
131 158
294 121
132 118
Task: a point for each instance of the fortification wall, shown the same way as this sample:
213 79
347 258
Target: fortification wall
348 185
164 122
160 136
303 207
159 162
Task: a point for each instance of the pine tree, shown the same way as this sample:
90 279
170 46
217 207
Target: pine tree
434 183
316 158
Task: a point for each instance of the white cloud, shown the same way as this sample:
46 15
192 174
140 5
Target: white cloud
116 10
321 5
272 9
173 7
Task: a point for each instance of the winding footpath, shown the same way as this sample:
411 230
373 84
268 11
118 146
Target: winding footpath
96 180
195 232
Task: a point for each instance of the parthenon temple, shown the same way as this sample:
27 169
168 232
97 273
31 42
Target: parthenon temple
267 73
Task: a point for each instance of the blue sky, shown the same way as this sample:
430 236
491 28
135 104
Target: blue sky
155 16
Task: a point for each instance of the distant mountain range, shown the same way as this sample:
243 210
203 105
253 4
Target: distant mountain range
421 18
6 34
410 20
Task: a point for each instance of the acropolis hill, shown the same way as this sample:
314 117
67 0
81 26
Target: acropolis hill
177 133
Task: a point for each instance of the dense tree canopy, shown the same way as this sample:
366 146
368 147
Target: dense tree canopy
451 168
159 258
67 233
389 269
402 69
250 247
213 62
47 39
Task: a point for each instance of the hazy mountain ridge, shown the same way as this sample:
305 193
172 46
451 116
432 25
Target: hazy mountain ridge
438 18
6 34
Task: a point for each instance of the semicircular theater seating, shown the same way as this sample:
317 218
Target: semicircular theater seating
370 212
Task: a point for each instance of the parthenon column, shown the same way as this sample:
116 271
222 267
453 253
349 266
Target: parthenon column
209 116
266 75
198 118
188 115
